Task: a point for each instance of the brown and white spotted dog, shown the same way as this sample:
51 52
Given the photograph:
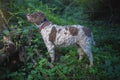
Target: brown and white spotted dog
57 36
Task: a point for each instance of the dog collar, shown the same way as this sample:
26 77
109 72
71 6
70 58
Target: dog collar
43 25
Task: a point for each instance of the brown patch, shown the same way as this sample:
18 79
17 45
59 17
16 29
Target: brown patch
59 30
73 31
52 34
37 17
87 31
40 18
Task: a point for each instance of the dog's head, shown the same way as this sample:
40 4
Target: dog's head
37 17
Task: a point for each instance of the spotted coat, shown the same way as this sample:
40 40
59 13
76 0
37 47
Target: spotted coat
63 36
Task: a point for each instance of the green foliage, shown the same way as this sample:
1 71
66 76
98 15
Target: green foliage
6 32
106 52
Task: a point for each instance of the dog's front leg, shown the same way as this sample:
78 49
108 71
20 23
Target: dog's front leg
52 55
51 51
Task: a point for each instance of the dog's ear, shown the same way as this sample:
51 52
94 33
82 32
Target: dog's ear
42 16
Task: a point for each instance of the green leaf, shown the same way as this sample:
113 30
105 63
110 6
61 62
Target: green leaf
6 32
25 31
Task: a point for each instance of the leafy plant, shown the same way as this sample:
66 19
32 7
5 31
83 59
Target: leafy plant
106 51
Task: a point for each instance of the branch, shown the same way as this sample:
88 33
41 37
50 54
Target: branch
4 24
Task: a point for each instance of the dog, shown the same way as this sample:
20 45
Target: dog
58 36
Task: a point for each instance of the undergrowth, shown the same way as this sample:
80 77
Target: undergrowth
68 67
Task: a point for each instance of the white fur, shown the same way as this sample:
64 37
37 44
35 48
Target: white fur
63 39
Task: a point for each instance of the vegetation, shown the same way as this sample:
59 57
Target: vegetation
102 16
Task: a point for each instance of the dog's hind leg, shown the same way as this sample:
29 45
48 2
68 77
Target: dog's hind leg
85 48
88 52
81 53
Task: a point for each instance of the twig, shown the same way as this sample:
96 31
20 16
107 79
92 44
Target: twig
5 24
